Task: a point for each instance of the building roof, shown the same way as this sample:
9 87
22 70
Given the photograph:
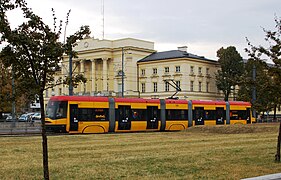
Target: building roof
171 55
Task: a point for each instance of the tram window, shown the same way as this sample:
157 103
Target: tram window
84 114
176 114
100 114
56 109
238 115
199 113
62 109
93 114
210 114
243 114
138 114
220 113
124 112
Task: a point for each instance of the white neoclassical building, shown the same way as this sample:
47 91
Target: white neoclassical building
100 61
162 72
146 72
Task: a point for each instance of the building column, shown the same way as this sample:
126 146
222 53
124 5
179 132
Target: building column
82 70
93 76
104 74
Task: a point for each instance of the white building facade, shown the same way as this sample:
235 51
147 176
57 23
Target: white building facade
100 61
147 73
161 72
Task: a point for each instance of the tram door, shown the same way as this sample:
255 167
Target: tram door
152 117
73 117
248 113
124 118
220 115
199 115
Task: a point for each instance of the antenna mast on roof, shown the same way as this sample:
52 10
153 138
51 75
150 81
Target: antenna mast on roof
102 13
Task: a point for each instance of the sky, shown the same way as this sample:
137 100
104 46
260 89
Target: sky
204 26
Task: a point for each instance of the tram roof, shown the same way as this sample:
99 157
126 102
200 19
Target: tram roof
173 101
239 103
140 100
136 100
79 98
208 102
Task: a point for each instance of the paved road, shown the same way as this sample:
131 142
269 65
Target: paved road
266 177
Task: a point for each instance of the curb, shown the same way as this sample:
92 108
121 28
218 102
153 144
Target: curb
266 177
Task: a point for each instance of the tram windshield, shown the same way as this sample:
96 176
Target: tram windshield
56 109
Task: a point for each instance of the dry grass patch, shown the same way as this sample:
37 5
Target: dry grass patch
207 152
235 129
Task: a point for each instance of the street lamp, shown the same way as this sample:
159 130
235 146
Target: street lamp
122 69
122 73
254 93
70 86
13 95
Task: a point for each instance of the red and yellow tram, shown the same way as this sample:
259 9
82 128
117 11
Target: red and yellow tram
86 114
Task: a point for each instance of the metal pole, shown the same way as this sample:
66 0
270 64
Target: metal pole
138 81
70 87
122 75
13 98
254 96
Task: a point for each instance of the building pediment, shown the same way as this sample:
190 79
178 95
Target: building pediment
95 44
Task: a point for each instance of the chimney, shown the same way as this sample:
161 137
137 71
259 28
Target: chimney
182 48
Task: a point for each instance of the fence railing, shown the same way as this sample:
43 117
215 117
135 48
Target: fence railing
19 128
268 120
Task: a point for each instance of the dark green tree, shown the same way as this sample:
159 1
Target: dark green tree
273 53
5 89
23 96
263 84
34 51
231 70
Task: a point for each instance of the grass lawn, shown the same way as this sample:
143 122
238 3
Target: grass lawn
207 152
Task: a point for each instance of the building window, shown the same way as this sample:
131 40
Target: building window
191 69
191 85
143 72
207 71
167 70
178 69
60 91
154 71
178 83
143 87
200 70
167 86
155 87
200 86
207 87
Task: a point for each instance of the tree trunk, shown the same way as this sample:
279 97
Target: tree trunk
44 138
277 156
